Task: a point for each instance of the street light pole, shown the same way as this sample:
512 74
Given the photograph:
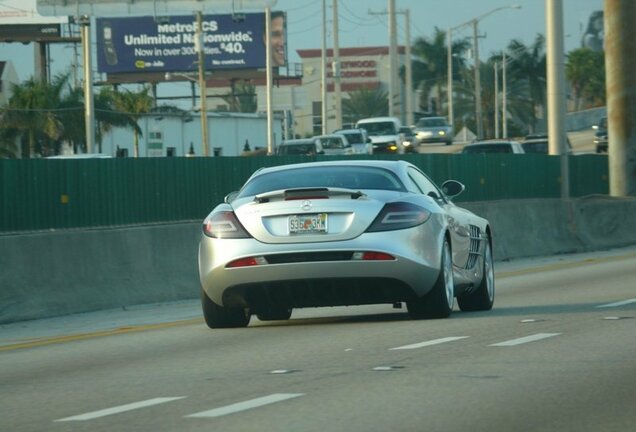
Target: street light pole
200 48
478 113
478 110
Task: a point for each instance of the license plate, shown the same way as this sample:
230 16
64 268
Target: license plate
310 223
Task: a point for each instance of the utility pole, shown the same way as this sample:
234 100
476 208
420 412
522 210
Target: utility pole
409 68
394 87
200 48
557 137
268 66
496 69
323 68
478 111
336 69
393 63
620 50
449 78
89 105
504 90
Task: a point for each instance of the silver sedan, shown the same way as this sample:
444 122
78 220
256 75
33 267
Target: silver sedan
343 233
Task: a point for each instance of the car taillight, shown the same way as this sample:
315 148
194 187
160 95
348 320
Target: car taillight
224 225
399 215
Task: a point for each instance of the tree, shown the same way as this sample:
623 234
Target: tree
242 97
134 105
32 114
528 62
585 70
430 70
365 102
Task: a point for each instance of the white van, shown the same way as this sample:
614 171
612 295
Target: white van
384 133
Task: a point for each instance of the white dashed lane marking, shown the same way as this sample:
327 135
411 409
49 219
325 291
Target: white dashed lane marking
120 409
526 339
429 343
242 406
617 304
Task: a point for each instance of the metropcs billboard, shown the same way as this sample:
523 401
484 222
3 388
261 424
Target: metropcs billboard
166 44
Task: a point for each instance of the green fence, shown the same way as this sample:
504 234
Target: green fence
55 194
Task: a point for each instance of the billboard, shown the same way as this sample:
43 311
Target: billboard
166 44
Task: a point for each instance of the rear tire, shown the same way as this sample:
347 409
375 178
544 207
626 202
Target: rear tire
223 317
483 298
275 314
438 303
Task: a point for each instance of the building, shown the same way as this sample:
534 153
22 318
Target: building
363 67
8 77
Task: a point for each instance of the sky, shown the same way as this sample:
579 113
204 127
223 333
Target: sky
363 23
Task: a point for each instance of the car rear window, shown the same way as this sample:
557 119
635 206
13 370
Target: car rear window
297 149
348 177
487 149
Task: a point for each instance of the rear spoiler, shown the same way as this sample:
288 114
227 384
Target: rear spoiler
307 193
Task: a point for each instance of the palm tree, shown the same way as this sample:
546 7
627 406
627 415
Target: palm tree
585 70
529 64
33 113
365 102
430 70
134 105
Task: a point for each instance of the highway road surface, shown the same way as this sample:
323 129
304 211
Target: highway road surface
557 353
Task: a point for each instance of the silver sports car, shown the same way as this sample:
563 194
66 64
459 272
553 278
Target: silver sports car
343 233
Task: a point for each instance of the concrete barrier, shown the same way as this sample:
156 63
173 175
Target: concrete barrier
56 273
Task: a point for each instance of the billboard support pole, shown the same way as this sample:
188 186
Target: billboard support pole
89 106
200 45
268 66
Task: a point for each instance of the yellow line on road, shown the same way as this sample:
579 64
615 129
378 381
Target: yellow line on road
93 335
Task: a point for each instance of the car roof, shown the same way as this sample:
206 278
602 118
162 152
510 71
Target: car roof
493 142
298 141
378 119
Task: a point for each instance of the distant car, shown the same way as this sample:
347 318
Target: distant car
538 143
359 140
306 147
339 233
600 136
494 146
384 133
433 130
408 140
334 144
81 156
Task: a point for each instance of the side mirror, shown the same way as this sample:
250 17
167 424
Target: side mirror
230 197
452 188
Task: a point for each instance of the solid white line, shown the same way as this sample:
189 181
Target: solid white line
120 409
429 343
242 406
620 303
531 338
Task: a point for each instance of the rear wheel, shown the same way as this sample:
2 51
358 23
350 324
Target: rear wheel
483 297
274 314
223 317
438 303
